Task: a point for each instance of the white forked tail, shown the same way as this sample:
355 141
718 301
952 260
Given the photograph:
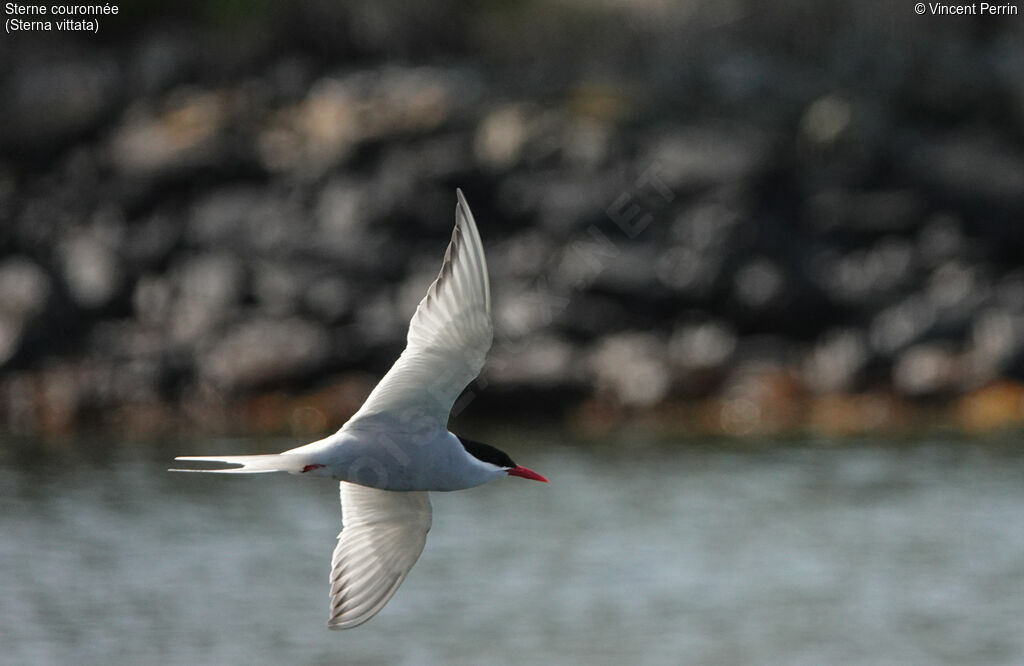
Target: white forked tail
274 462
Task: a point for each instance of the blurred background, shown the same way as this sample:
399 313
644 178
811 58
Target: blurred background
717 217
758 275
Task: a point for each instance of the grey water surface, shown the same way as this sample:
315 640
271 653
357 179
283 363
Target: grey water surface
803 555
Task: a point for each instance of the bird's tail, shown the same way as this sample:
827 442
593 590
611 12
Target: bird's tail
274 462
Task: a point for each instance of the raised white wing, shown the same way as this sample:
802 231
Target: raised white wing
382 537
449 336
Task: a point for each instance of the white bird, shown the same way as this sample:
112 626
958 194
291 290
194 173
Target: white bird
397 447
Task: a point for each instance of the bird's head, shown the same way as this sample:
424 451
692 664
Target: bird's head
493 456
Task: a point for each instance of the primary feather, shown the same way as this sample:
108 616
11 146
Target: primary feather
382 536
448 339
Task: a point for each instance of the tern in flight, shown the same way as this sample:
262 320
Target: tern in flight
397 447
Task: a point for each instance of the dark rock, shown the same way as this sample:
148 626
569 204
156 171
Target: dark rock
329 298
759 285
698 157
687 270
957 291
290 76
186 136
954 283
826 120
152 298
131 364
631 367
1008 292
378 323
91 270
559 201
541 361
24 287
204 292
261 352
161 58
941 239
126 340
76 94
214 280
42 222
150 241
25 296
759 396
836 362
523 308
702 345
579 264
996 345
973 165
866 277
248 217
345 212
341 112
872 212
902 324
527 134
447 157
765 350
838 142
926 369
630 271
501 136
525 255
588 315
279 288
703 236
587 143
708 225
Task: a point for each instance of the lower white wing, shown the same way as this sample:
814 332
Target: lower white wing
382 536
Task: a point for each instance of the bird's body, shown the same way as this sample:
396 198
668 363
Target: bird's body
382 458
397 447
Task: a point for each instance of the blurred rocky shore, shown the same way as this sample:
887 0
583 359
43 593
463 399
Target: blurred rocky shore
697 218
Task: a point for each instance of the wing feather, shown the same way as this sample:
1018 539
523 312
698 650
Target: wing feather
382 537
448 339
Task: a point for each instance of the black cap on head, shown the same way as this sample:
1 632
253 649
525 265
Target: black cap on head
486 453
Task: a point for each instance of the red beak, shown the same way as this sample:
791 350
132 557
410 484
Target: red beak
519 470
